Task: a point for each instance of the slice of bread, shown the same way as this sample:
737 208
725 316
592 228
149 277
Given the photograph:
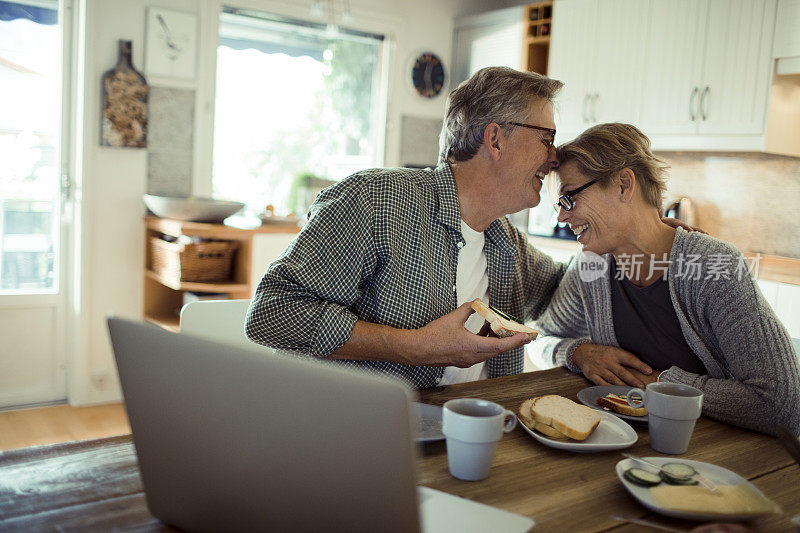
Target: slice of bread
503 327
526 418
573 420
619 405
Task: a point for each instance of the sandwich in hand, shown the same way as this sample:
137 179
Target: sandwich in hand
558 417
619 404
502 324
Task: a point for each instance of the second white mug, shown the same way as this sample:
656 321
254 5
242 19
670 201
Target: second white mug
672 410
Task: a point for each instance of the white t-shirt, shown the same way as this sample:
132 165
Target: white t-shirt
472 281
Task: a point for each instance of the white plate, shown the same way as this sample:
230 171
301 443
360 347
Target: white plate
429 422
611 434
589 396
716 474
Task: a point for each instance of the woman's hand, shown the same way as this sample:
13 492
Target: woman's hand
609 365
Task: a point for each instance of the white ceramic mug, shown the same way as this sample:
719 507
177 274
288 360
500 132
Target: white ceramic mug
672 409
472 428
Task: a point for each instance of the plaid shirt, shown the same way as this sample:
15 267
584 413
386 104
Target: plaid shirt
382 246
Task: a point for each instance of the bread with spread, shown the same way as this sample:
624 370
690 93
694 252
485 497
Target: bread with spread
503 325
619 404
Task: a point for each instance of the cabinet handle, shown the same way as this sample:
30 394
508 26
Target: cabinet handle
583 107
692 98
594 107
703 112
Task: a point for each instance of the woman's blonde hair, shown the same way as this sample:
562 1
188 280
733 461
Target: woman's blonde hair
603 150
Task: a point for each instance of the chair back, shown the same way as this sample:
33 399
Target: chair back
219 320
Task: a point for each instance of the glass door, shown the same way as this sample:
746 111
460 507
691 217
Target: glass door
33 228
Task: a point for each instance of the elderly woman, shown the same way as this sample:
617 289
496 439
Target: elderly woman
646 302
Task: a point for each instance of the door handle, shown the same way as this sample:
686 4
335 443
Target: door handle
66 187
692 98
703 112
594 107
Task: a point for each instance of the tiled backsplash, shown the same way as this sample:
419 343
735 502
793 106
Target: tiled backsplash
749 199
170 142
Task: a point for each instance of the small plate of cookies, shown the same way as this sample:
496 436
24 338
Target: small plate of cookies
560 423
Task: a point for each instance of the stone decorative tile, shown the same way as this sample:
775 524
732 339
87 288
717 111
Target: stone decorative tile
748 199
171 119
169 173
419 140
171 142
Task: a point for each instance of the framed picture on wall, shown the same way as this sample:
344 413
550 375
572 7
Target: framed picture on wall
171 46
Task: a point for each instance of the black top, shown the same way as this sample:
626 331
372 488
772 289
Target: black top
646 324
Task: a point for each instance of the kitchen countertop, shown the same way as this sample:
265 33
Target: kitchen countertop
770 268
777 268
200 229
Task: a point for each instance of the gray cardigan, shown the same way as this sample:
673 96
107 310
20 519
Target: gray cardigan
753 374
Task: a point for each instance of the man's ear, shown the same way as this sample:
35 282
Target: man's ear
493 140
626 182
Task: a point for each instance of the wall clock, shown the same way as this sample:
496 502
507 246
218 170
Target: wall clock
427 75
171 44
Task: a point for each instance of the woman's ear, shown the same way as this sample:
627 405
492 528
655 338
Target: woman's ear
493 140
626 181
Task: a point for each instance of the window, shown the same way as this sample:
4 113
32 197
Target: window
30 121
298 106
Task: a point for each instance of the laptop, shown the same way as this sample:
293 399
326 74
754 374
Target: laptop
235 438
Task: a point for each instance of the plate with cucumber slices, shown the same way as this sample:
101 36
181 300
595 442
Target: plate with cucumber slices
680 488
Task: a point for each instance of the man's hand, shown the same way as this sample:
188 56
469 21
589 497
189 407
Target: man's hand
609 365
445 342
675 223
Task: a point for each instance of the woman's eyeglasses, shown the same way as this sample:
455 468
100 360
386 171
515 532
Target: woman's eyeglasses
566 202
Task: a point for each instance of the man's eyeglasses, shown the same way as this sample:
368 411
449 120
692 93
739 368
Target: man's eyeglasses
566 202
547 141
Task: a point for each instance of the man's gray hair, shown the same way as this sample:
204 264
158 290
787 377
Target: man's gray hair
492 94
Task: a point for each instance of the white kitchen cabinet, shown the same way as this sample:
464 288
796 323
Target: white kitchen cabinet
709 65
787 30
788 308
770 291
596 50
785 301
572 62
674 63
736 74
619 62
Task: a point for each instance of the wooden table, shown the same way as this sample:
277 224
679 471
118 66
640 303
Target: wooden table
95 485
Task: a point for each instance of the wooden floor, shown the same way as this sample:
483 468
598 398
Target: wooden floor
61 423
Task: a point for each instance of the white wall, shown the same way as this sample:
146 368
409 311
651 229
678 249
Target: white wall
111 181
109 190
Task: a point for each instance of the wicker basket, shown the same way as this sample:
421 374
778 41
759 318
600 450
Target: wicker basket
200 261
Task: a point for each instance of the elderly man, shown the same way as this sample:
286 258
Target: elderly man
383 273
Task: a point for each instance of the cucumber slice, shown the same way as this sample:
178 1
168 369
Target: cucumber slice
679 472
642 477
676 480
